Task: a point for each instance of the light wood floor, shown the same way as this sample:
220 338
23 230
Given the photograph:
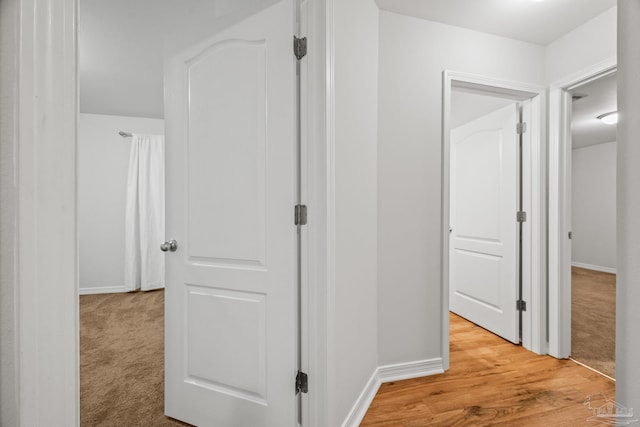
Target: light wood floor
491 382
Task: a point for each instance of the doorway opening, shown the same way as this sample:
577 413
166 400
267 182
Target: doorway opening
222 340
121 319
491 207
592 219
485 191
561 104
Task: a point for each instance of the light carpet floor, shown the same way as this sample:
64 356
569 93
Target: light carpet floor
593 319
122 360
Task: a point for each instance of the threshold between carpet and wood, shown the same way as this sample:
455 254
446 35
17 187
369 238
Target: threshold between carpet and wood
593 319
490 382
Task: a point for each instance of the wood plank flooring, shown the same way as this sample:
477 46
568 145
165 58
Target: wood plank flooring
491 382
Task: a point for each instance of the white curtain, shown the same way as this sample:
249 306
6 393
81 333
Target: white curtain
144 227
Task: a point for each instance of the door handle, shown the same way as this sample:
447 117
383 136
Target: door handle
170 246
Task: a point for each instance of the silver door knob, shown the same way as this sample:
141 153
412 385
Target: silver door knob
170 246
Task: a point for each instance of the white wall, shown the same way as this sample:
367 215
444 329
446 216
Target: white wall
355 286
413 54
593 185
103 164
628 278
8 197
585 46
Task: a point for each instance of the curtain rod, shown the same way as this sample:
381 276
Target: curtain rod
125 134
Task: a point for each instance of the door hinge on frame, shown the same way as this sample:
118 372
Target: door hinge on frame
299 47
521 216
300 215
521 128
302 382
521 305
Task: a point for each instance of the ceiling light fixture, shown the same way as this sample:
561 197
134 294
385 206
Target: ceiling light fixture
609 118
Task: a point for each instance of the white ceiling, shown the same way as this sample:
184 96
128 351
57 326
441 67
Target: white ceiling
539 22
586 128
121 42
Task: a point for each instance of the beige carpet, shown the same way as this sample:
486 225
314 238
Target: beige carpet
593 319
122 360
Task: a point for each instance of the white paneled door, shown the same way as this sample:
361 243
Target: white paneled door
483 242
231 299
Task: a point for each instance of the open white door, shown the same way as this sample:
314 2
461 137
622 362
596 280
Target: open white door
231 294
483 258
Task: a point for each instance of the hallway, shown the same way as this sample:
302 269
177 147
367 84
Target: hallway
491 382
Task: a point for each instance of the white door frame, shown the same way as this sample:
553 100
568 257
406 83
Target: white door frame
560 202
534 319
46 249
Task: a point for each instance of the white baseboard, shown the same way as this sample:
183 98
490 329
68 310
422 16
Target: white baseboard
594 267
405 371
363 402
385 374
102 290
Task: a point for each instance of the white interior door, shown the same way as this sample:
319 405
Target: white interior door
231 284
483 242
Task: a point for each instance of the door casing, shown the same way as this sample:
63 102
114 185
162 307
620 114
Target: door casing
560 204
534 291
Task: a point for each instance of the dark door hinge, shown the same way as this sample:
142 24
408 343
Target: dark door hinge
300 214
521 216
302 382
521 128
521 305
299 47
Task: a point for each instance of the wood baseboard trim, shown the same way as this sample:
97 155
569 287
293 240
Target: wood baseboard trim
102 290
385 374
594 267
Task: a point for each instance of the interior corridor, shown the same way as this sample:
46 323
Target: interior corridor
492 382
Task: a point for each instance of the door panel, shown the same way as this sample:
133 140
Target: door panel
483 239
226 342
231 178
233 167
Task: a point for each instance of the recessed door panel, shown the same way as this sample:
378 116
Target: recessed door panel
226 147
479 156
226 341
477 277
